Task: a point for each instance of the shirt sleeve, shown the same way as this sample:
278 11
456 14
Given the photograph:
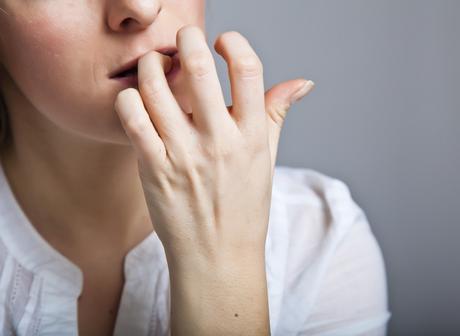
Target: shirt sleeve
334 280
352 299
352 296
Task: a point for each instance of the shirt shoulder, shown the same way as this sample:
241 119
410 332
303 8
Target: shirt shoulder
317 207
311 188
333 276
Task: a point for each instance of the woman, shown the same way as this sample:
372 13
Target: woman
134 202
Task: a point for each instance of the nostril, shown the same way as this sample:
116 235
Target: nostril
126 22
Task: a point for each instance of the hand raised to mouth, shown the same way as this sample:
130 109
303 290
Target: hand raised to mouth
207 178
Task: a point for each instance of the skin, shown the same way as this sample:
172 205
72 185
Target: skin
98 166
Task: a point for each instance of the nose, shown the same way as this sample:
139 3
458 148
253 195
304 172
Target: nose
132 15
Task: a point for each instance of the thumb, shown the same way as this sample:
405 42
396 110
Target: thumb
280 98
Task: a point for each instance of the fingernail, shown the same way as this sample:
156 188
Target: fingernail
302 91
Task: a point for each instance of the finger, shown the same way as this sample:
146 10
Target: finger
138 127
207 101
170 121
246 77
280 98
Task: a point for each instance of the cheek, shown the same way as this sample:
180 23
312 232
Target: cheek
52 64
54 60
39 49
190 11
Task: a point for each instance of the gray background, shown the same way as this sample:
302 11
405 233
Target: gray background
384 118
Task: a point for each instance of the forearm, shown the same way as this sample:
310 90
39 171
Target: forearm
229 298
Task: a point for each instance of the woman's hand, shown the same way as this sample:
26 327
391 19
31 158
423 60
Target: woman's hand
207 178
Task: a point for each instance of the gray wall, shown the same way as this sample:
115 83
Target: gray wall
384 118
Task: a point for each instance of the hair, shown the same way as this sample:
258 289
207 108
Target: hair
5 130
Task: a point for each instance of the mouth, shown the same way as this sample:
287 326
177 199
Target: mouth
127 73
129 70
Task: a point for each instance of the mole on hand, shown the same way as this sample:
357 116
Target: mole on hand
236 314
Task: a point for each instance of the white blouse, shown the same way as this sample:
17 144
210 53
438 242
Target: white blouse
325 271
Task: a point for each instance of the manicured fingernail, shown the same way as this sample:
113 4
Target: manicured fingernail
302 91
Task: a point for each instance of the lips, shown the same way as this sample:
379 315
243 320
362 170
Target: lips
126 73
130 68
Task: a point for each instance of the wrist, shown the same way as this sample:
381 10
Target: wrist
222 297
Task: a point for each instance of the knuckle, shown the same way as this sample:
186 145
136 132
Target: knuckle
137 126
198 64
278 113
256 140
248 66
217 151
259 146
153 88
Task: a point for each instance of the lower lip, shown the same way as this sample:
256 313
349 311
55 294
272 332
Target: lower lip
128 80
133 79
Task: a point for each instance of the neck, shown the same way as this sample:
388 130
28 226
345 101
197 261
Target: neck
75 191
